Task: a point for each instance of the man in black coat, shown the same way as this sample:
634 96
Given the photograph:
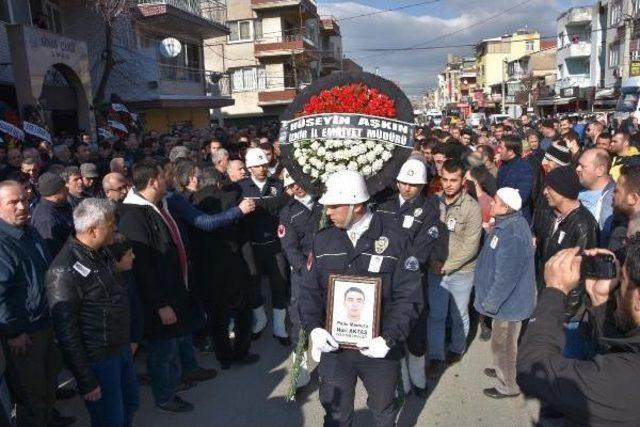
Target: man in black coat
161 273
52 215
603 390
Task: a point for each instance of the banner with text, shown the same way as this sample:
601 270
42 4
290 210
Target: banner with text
36 131
347 126
11 130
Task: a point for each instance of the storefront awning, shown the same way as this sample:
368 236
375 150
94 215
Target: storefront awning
555 101
179 101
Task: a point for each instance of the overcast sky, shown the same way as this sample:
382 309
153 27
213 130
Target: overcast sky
420 25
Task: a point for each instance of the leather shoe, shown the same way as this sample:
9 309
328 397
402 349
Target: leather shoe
286 341
436 368
491 373
453 358
495 394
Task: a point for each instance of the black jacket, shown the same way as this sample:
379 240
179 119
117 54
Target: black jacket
157 270
579 228
602 391
298 226
54 223
89 308
263 223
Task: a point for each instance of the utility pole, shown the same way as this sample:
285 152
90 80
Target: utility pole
503 98
295 70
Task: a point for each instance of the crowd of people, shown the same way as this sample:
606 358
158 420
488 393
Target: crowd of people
159 243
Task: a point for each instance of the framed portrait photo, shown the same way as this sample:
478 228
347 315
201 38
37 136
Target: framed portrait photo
353 308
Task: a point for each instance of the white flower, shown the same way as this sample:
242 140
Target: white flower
377 165
315 145
386 155
362 160
324 177
315 174
338 143
306 168
329 156
370 144
353 166
378 149
371 156
322 151
366 171
297 153
389 146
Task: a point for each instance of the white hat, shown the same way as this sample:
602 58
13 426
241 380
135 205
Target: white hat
287 178
345 187
511 197
255 157
413 171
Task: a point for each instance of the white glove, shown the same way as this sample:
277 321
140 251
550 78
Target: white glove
376 348
321 342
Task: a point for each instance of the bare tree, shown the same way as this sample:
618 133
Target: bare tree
528 91
108 10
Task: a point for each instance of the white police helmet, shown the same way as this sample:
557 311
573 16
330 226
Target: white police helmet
345 187
287 178
255 157
413 171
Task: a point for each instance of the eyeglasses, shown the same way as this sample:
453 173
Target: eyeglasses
120 189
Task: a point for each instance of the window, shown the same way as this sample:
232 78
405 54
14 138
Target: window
53 16
241 31
614 55
249 79
15 11
616 13
257 29
529 46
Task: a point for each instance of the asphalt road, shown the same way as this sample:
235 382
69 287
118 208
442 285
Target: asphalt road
254 396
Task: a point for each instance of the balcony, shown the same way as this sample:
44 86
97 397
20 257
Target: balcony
329 25
273 91
331 60
582 80
205 18
575 15
260 5
285 45
574 50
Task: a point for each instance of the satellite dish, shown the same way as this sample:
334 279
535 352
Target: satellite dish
170 47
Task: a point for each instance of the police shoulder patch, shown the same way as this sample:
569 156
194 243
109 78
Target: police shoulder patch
417 212
433 232
412 264
381 244
274 191
282 231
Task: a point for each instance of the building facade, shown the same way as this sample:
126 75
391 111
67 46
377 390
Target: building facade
275 48
52 58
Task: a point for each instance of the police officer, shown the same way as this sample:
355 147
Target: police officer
262 226
359 244
299 223
418 218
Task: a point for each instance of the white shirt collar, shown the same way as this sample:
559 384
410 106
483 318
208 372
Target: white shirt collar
258 183
307 201
356 230
401 199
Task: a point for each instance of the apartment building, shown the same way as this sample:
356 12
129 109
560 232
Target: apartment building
274 50
456 85
52 58
529 79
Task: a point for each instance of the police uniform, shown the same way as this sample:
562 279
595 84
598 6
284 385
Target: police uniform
298 226
263 225
419 221
381 251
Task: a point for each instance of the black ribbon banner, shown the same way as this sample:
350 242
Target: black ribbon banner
347 126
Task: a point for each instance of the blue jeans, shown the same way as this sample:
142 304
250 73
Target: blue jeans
188 362
448 297
163 365
120 395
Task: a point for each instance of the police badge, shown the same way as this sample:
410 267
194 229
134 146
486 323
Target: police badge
381 244
417 212
274 191
433 232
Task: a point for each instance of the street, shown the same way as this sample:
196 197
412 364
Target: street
254 396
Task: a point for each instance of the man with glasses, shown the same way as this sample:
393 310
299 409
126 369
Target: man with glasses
115 187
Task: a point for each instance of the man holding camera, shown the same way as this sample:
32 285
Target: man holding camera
603 389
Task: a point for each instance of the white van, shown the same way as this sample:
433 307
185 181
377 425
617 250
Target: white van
629 100
435 115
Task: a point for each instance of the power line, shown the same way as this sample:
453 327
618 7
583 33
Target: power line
393 9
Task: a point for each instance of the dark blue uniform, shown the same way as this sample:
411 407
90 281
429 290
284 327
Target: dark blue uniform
401 303
419 221
262 226
298 226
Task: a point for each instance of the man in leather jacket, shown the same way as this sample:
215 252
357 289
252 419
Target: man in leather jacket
572 226
90 311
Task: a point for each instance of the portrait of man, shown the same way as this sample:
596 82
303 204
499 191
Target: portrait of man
353 303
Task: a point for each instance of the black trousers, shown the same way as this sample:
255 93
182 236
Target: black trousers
294 313
417 339
338 373
270 261
219 313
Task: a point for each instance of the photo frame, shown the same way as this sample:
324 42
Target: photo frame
353 308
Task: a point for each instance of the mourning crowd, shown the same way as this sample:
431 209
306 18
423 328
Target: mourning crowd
157 245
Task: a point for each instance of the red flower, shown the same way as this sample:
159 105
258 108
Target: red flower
353 98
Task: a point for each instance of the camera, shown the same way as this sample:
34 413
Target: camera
600 266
